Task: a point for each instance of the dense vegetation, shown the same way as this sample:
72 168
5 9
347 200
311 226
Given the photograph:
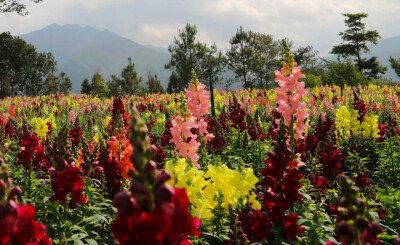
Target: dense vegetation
290 165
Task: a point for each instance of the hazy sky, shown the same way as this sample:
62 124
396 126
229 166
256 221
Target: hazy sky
156 22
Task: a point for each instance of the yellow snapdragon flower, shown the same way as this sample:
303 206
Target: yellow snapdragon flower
205 187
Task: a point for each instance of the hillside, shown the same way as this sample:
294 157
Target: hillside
80 51
386 48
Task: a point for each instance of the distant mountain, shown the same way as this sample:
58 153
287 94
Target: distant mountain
161 49
383 50
80 51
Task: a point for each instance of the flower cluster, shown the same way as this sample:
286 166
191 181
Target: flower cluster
120 149
183 137
204 187
17 222
218 129
68 180
197 99
348 122
43 126
75 134
186 128
237 115
32 152
290 93
65 176
255 224
154 212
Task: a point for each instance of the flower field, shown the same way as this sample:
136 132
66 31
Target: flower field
283 166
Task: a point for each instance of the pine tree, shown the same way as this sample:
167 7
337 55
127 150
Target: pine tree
355 43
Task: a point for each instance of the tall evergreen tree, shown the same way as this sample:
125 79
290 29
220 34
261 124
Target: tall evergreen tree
57 84
131 81
355 43
188 54
86 88
153 84
265 59
65 84
253 57
128 83
99 86
239 57
395 64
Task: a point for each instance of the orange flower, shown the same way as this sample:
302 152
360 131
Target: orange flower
3 119
125 163
11 112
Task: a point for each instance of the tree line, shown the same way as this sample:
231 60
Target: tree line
252 57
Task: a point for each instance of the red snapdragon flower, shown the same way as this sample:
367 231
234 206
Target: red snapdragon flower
65 182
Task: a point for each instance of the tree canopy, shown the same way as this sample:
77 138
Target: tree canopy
188 54
355 43
14 6
395 64
22 68
128 83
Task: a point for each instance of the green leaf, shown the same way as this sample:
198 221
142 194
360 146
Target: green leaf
90 241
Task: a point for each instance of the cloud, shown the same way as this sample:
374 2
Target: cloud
307 22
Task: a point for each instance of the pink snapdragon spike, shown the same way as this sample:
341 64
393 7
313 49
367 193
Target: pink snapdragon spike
190 124
197 99
289 95
183 138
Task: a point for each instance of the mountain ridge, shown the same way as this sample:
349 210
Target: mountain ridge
80 51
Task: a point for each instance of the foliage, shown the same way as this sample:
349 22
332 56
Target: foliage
395 64
57 84
253 58
312 80
343 73
153 84
85 86
98 86
307 58
9 6
22 68
356 39
128 84
188 54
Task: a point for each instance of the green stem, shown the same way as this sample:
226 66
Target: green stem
292 140
29 182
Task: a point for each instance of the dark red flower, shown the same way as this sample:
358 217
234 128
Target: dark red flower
255 225
362 179
170 222
75 135
166 136
65 182
28 230
291 228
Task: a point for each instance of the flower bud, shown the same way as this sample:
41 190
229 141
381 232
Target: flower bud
362 223
14 192
345 233
139 191
150 167
153 151
164 194
162 176
11 208
125 203
3 185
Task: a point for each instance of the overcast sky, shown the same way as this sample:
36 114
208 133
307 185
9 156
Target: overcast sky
156 22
